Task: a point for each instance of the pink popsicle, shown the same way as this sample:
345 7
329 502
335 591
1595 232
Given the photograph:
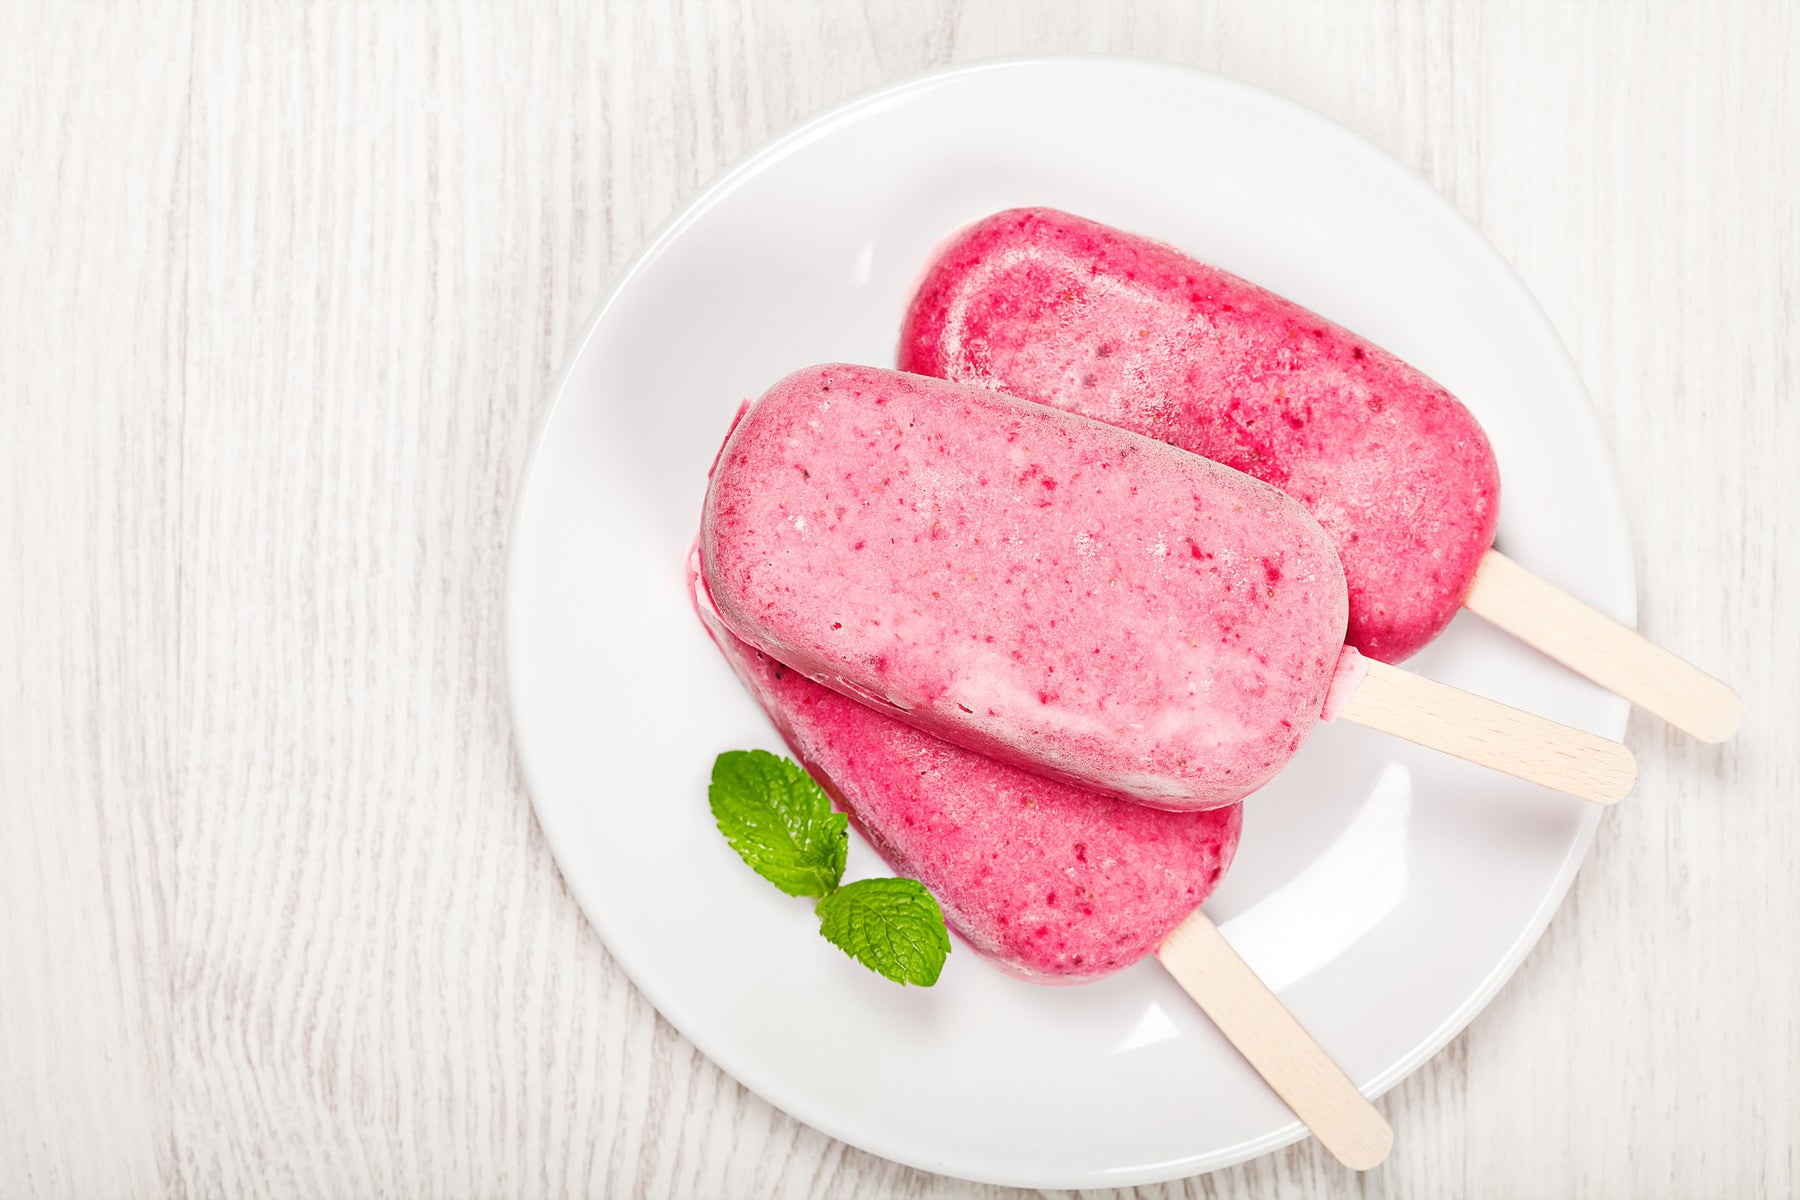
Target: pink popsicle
1056 884
1074 314
1050 882
1060 594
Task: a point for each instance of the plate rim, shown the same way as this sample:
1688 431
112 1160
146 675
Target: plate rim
557 837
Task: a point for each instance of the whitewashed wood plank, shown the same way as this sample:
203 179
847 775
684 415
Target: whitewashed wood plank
92 250
289 286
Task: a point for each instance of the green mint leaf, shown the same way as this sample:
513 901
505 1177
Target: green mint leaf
779 821
891 926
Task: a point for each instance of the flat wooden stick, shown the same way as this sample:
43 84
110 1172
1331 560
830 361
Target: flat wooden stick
1615 656
1283 1053
1491 734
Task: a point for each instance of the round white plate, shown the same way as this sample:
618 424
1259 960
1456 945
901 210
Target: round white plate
1385 892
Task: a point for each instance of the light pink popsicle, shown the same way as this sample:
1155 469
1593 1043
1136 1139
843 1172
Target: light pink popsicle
1091 320
1060 594
1055 883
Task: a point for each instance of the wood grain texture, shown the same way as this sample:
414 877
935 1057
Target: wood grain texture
284 289
1490 734
1260 1027
1615 656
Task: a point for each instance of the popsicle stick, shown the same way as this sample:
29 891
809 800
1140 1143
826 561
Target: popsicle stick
1615 656
1491 734
1283 1053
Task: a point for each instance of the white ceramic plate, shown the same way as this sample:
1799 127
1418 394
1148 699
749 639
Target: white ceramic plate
1385 892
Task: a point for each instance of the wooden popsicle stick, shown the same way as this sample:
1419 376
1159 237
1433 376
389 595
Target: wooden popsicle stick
1491 734
1254 1020
1615 656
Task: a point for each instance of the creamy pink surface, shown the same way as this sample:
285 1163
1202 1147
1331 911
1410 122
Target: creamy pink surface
1086 318
1061 594
1056 883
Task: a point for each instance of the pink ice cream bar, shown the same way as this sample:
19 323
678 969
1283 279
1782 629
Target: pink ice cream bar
1065 596
1090 320
1054 883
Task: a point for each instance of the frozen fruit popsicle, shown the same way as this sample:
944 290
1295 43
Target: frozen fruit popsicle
1071 313
1054 883
1049 590
1063 595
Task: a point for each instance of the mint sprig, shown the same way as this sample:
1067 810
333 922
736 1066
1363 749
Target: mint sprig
781 823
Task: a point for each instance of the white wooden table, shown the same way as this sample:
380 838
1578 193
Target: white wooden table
282 290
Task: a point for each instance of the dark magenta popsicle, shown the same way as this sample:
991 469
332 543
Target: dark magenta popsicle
1090 320
1055 883
1060 594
